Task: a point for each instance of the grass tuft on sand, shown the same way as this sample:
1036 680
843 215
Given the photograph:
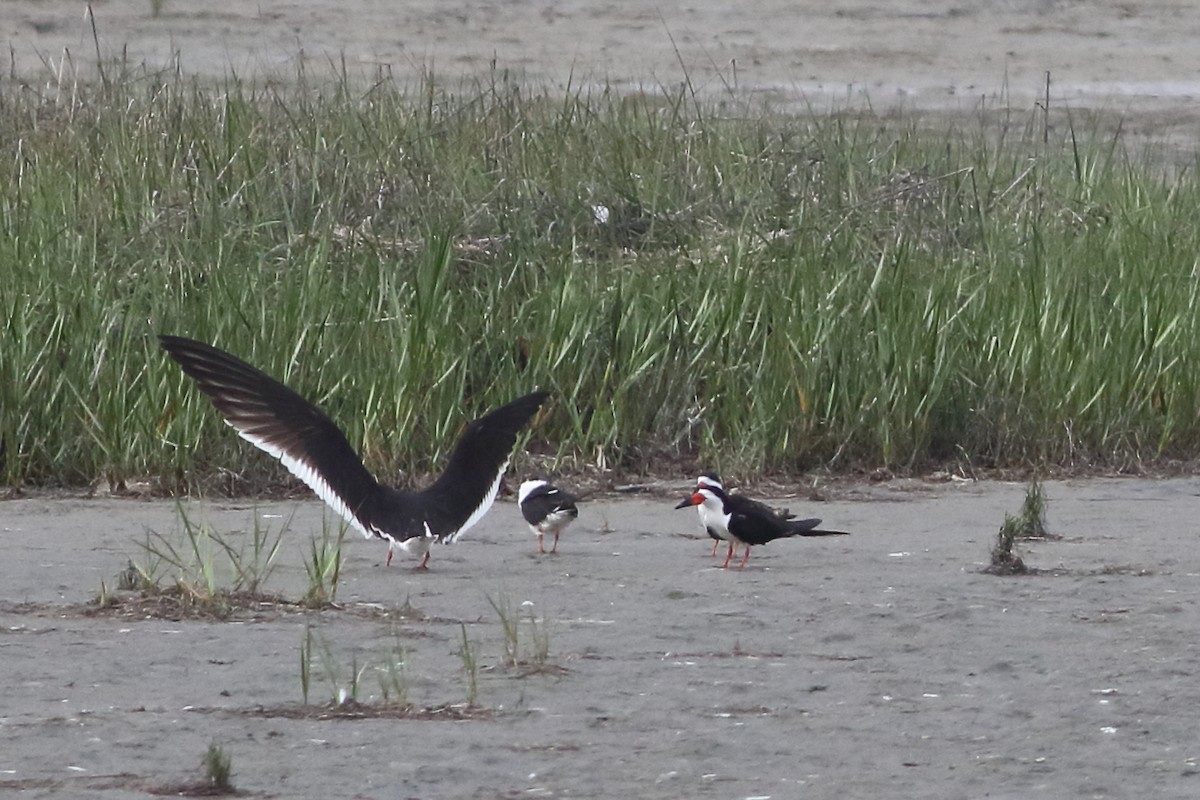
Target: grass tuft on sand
1030 523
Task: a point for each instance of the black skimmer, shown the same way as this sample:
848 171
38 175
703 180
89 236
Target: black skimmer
741 520
278 421
547 509
714 527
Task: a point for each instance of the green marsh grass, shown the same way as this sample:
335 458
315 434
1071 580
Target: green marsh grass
534 657
1005 560
751 291
191 553
1033 511
510 627
323 565
468 657
392 673
208 572
345 680
218 770
216 766
1030 523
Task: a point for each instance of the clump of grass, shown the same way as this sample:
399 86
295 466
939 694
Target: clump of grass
253 566
214 575
192 559
540 641
470 666
216 767
1030 523
306 664
346 698
104 599
1005 561
190 554
535 657
393 674
324 566
211 575
346 681
218 770
510 627
1033 512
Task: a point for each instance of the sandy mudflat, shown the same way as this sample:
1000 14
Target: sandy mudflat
918 53
878 665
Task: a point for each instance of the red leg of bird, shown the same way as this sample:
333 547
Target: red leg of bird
388 563
541 549
728 556
745 558
554 549
716 544
424 562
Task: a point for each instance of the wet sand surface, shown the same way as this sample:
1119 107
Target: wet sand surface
883 664
916 53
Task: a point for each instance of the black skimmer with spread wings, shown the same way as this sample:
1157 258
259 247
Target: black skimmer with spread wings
741 520
547 509
280 422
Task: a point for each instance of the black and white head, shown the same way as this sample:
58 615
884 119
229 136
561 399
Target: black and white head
710 498
710 481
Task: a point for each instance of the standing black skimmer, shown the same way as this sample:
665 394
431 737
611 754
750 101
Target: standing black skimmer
278 421
741 520
547 509
715 527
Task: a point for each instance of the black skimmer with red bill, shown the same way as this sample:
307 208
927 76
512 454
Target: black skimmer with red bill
741 520
280 422
547 509
714 527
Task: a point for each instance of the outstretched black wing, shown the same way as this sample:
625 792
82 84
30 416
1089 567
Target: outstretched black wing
278 421
467 487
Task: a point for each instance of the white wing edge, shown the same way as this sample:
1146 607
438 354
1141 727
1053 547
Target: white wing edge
313 480
484 505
